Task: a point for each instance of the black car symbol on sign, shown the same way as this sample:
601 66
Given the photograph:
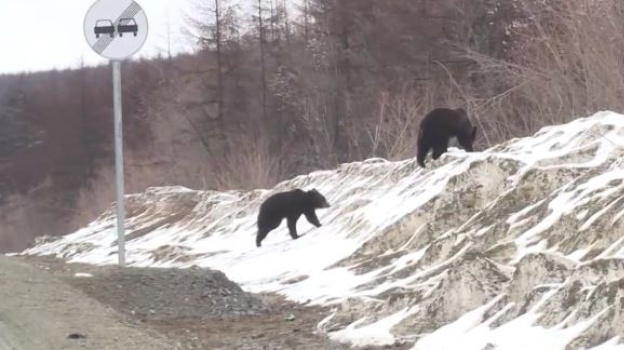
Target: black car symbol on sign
104 26
127 25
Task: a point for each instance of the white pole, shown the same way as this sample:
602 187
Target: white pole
121 214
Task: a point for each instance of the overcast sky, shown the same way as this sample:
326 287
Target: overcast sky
45 34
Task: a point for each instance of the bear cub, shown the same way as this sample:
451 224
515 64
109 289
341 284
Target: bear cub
289 205
438 126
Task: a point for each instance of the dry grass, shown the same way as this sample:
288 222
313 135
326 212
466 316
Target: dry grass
566 62
250 165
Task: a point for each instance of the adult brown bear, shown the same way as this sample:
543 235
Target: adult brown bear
438 126
290 205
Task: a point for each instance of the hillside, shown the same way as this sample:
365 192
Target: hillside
267 96
516 247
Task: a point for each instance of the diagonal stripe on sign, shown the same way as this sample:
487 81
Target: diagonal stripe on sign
102 43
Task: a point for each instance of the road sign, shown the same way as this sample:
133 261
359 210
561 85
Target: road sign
115 29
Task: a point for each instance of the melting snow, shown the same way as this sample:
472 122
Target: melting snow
432 255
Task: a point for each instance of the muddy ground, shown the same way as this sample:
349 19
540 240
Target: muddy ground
199 308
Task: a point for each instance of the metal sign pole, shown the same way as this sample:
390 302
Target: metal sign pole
116 30
121 210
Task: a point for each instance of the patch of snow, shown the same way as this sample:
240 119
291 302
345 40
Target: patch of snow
82 275
377 333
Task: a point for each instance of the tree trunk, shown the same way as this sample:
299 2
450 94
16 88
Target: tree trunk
262 61
220 121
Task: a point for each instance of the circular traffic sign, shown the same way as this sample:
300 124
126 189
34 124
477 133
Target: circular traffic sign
115 29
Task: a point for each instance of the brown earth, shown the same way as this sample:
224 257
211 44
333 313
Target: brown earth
196 308
41 312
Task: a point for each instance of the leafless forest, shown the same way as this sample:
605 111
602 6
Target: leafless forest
287 91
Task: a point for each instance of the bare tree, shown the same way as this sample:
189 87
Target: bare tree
84 112
214 28
262 44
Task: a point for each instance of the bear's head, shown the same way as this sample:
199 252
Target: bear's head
468 134
317 199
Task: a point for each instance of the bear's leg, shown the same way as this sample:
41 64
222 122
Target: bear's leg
311 216
292 226
422 154
438 150
261 235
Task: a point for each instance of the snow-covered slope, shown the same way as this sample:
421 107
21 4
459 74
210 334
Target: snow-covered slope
517 247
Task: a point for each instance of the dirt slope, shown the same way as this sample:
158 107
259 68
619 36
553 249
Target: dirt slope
519 246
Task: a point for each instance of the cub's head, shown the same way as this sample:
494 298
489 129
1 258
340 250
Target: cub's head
468 134
317 199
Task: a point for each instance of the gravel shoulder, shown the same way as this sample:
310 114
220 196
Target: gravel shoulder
40 312
193 308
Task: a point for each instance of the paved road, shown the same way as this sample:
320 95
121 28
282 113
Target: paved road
38 312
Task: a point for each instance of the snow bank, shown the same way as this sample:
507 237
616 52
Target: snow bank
517 247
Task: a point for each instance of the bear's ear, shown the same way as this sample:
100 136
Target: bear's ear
474 133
